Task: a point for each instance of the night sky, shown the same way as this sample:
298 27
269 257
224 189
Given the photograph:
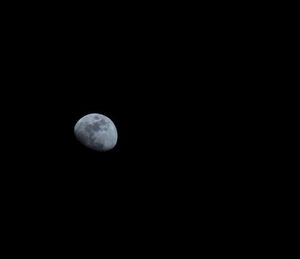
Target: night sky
170 92
164 99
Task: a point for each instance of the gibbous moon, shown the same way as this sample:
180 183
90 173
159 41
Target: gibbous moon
97 132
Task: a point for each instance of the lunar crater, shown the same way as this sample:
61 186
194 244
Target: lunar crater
99 126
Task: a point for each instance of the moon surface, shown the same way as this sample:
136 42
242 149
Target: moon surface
97 132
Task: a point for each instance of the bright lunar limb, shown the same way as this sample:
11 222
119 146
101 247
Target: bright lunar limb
96 131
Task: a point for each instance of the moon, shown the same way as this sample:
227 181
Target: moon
97 132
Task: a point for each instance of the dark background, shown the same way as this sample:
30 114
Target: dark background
171 85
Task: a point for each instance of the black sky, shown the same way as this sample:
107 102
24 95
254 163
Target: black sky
167 85
157 82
